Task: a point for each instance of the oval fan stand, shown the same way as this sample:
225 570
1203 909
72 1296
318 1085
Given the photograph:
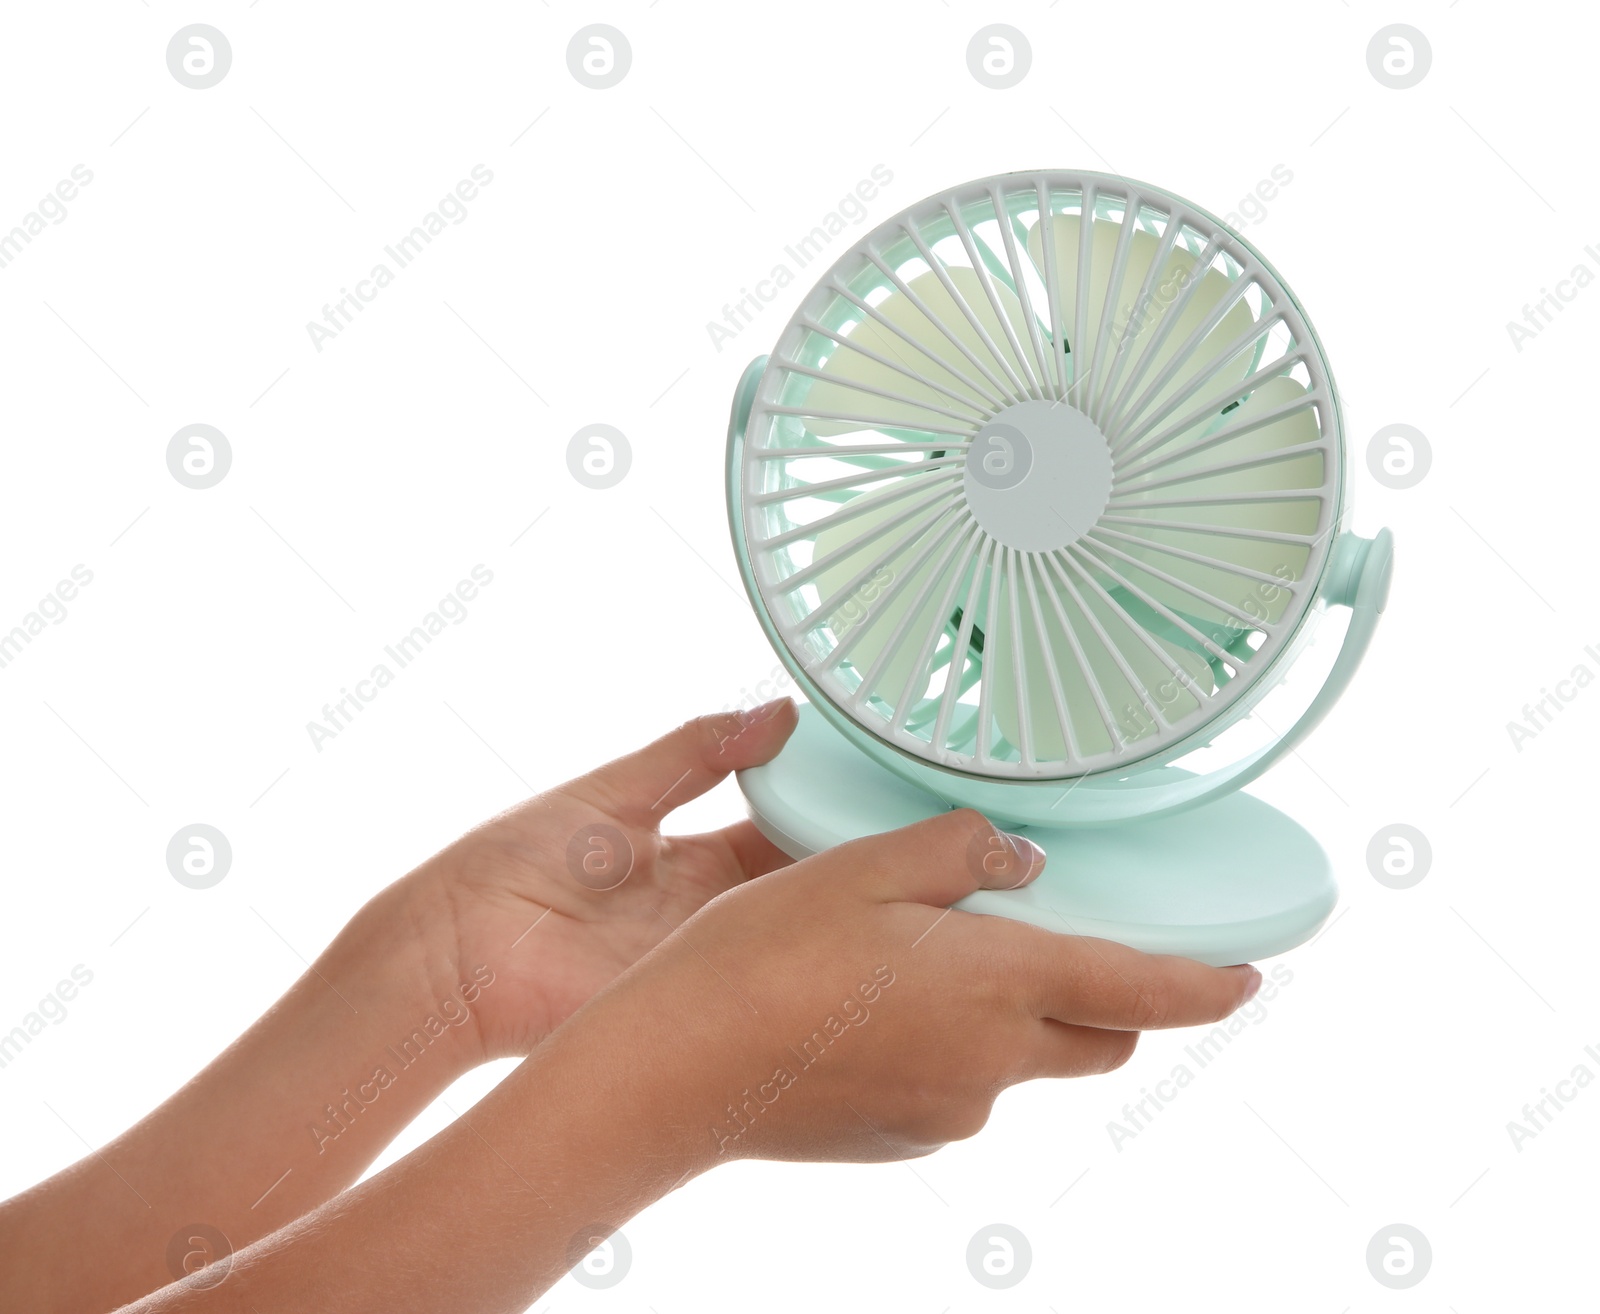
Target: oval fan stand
1232 881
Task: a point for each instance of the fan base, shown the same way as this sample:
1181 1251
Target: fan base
1233 881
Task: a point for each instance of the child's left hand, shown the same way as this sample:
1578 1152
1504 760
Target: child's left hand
561 893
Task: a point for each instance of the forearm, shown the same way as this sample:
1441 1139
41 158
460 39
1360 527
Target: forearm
286 1117
493 1210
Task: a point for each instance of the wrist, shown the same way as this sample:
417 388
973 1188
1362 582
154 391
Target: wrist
643 1111
670 1070
417 994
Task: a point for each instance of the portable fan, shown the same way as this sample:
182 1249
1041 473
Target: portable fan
1041 490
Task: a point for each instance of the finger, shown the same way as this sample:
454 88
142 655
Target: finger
643 787
1061 1049
740 851
1096 983
944 859
753 851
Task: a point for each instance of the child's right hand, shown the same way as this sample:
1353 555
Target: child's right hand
838 1009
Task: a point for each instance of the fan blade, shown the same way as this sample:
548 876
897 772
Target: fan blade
1113 356
866 621
1224 469
1062 261
1219 369
1092 689
927 374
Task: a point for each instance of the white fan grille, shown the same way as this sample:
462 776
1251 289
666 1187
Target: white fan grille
948 627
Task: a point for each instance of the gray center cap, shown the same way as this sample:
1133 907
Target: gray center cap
1038 475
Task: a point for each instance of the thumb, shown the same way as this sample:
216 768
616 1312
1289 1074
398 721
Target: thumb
643 787
944 859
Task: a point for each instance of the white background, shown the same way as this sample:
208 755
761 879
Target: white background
368 478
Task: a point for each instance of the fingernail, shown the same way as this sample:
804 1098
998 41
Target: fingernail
1029 854
1255 985
766 709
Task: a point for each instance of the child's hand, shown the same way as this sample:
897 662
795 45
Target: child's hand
836 1009
399 1005
840 1010
563 892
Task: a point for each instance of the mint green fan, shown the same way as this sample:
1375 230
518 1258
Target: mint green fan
1041 491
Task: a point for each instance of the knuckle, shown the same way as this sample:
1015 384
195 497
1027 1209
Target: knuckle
965 1119
952 833
919 1127
968 823
935 1116
1119 1049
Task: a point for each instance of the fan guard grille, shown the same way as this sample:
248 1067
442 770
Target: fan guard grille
1158 374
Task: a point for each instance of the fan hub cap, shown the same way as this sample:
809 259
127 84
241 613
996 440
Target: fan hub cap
1038 475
